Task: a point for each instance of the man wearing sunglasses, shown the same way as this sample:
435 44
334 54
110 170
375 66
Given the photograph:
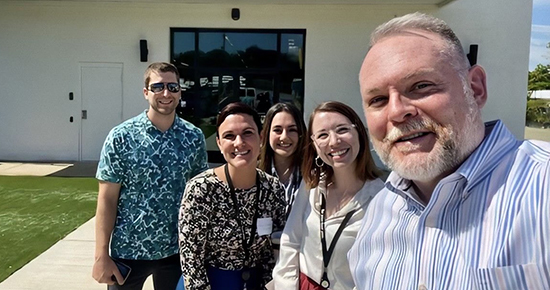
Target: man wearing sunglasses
144 166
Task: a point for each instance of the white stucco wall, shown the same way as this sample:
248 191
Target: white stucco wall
42 45
502 29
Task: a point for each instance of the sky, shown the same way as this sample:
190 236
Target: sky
540 34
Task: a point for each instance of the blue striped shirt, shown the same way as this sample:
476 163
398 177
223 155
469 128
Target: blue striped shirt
486 226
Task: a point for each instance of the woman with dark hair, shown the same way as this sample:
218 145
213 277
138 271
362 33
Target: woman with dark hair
282 147
229 212
341 179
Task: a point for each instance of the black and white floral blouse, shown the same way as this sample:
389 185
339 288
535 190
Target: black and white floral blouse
209 234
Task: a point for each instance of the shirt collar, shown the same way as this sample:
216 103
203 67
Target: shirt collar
497 142
178 124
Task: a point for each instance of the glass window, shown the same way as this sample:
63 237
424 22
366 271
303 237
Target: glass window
237 50
292 49
259 67
183 48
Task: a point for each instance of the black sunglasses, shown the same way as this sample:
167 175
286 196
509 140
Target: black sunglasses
159 87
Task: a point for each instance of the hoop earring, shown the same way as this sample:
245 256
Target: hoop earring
317 159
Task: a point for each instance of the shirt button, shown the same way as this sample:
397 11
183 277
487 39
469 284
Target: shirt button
422 287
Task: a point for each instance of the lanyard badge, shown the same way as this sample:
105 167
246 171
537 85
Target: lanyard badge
327 254
245 274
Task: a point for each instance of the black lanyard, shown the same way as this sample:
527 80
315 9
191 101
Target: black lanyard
246 244
327 254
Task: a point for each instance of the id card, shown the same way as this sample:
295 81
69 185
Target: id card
265 226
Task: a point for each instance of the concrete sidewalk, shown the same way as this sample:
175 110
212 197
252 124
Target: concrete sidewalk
31 169
72 169
67 265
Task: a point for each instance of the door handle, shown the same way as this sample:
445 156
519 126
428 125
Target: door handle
84 114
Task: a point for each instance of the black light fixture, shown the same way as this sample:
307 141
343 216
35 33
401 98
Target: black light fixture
143 51
235 14
472 55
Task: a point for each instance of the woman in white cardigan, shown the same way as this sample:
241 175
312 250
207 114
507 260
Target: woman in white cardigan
340 180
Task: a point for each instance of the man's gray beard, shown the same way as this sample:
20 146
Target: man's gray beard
451 149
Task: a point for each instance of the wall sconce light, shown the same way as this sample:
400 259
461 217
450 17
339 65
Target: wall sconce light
235 14
472 55
143 51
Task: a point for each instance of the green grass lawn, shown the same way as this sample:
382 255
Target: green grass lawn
36 212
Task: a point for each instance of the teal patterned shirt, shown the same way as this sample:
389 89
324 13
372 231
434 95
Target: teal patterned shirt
152 168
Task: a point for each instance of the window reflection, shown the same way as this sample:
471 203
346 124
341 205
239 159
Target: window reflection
220 66
183 48
238 50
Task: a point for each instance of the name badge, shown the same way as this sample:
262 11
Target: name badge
265 226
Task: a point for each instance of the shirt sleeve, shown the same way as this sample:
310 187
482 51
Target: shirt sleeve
111 167
194 218
287 270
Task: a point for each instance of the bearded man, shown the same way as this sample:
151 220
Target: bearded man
467 205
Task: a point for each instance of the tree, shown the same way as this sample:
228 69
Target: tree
538 111
539 79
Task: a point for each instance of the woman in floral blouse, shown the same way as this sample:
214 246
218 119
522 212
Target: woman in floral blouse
228 212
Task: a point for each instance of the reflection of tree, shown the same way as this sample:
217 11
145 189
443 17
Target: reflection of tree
219 58
257 57
252 57
185 59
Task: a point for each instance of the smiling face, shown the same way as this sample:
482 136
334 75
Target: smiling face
165 102
336 140
283 135
424 118
239 140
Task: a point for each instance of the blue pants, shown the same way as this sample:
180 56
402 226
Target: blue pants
232 279
180 284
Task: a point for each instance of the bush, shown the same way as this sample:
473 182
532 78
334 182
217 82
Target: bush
538 113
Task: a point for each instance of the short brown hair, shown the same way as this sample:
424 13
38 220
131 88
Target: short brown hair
365 167
235 109
157 67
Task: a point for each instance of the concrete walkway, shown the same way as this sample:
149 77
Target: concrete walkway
67 265
31 169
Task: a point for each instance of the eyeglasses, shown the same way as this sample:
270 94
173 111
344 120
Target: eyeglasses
159 87
322 137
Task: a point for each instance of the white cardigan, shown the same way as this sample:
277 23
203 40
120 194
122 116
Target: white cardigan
301 242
